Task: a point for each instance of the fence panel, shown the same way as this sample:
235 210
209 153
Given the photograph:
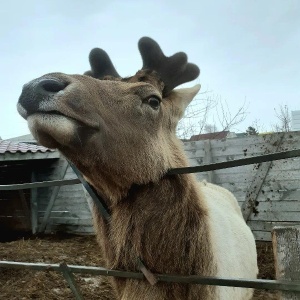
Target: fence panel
272 189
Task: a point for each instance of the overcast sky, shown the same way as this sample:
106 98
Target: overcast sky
245 49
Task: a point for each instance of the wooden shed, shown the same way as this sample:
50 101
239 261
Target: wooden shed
39 209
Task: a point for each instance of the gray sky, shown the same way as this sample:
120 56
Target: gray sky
245 49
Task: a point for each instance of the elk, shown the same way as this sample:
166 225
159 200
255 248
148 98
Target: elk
121 134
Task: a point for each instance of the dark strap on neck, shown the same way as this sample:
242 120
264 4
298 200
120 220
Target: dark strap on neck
106 214
98 200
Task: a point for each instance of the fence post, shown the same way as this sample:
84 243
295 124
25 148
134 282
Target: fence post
208 159
286 248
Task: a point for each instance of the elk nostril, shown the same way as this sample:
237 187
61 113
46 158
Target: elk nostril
50 86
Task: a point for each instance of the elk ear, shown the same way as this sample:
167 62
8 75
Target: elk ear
181 98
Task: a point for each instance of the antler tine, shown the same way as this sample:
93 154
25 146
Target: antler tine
173 70
101 65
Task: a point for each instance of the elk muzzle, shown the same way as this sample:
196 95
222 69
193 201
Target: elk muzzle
36 92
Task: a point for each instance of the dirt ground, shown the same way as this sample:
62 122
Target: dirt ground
76 250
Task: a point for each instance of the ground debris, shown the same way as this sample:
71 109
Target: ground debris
77 250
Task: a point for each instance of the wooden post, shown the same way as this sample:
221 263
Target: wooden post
27 222
208 160
286 247
34 206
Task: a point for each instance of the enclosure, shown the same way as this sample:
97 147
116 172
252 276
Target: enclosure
269 189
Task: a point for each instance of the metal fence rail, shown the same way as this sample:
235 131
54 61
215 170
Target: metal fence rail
23 186
185 170
192 279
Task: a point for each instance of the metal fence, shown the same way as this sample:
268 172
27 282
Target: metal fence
69 270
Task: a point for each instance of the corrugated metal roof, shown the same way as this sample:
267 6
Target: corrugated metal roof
14 147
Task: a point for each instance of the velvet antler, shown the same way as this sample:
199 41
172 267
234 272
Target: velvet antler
173 70
101 65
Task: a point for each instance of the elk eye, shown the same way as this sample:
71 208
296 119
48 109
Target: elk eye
154 102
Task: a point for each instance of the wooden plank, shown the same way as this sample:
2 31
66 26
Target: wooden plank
279 195
227 143
71 221
234 178
276 216
34 206
208 160
286 245
269 225
285 185
55 191
65 191
72 204
192 147
256 185
25 209
246 146
286 164
284 175
67 196
247 170
68 214
239 189
291 195
262 235
278 206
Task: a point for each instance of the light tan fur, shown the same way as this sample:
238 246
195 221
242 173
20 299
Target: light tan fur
124 148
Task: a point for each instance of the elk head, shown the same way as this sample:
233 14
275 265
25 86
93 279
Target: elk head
117 131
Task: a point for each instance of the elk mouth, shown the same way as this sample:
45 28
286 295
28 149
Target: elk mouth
56 113
91 126
60 114
53 112
54 129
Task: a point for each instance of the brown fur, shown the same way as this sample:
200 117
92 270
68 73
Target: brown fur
124 149
160 223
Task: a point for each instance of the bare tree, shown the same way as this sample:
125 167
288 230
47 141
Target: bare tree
229 120
284 117
259 127
211 107
196 115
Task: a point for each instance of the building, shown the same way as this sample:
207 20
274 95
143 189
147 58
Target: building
213 136
295 120
44 209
